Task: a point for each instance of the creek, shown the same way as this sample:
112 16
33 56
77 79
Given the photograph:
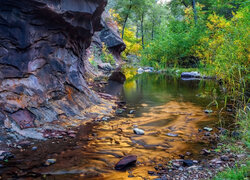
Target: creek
158 104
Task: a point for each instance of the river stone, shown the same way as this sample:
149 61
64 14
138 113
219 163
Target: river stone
131 111
224 158
138 131
193 74
50 162
5 155
172 135
208 129
125 162
140 71
34 148
208 111
119 111
188 163
24 118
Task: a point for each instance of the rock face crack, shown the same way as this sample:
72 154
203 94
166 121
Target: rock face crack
42 51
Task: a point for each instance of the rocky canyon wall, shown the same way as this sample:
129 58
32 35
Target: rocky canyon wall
42 50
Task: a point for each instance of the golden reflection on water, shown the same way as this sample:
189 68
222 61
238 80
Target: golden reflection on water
117 137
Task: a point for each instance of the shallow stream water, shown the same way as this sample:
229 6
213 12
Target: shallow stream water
161 105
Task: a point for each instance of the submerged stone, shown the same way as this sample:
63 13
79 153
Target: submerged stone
125 162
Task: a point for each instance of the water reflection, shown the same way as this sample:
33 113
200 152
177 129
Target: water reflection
162 105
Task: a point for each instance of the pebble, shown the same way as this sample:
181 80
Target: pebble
208 111
172 135
188 163
151 172
205 152
224 158
50 162
131 111
105 118
195 161
119 111
72 135
71 132
138 131
182 156
34 148
207 134
175 164
208 129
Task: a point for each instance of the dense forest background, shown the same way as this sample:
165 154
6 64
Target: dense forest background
211 35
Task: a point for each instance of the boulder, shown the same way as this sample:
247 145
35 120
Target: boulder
125 162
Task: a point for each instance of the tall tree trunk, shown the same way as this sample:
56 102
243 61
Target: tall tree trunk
126 18
195 12
142 31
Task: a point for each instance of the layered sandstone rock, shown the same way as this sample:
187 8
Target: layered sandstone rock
42 60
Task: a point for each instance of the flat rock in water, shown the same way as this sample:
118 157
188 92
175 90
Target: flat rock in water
138 131
193 74
125 162
172 135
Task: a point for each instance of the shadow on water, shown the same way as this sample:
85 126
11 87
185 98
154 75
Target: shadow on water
162 105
